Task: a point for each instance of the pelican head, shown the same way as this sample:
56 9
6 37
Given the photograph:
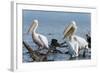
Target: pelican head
33 26
35 21
70 30
73 22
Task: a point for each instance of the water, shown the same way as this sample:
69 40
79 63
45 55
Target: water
52 25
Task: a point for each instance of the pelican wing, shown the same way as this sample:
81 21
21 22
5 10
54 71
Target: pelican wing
44 40
81 41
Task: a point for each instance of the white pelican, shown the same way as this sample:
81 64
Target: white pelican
75 41
38 39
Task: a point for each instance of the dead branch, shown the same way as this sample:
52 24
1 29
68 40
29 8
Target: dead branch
36 56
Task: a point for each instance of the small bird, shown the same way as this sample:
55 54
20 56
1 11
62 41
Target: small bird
88 38
54 43
38 39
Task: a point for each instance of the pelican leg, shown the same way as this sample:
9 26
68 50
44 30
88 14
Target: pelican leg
77 52
39 48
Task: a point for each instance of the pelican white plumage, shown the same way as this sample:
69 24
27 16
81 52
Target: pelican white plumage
38 39
79 43
75 41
